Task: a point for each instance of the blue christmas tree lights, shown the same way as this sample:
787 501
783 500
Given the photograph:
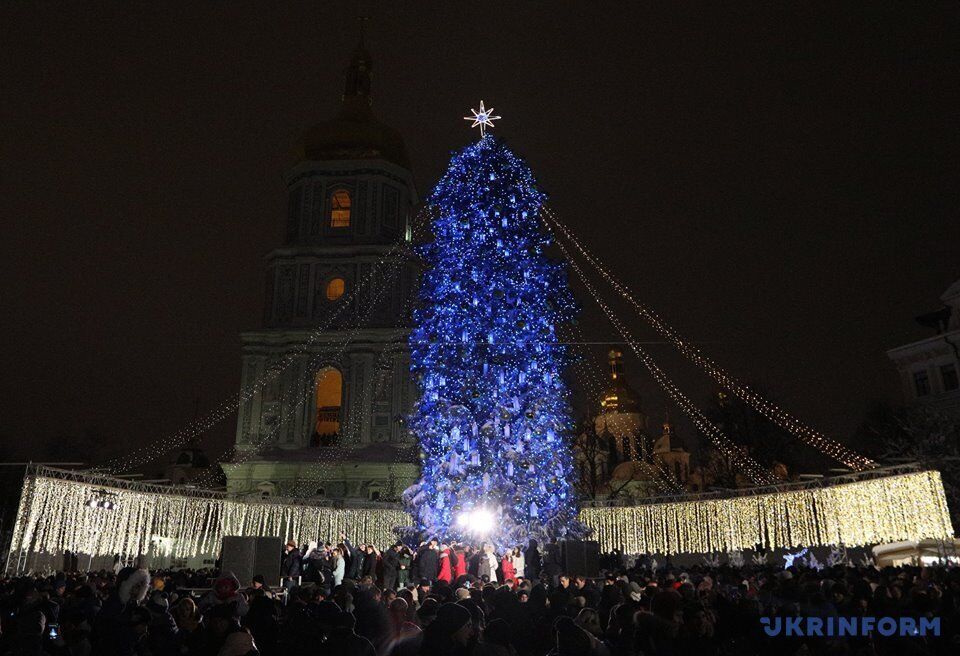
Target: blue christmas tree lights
493 419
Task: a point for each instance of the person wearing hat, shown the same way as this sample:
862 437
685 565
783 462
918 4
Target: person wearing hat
423 589
112 629
226 591
450 634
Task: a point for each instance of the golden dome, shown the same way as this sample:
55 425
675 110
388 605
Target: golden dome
355 133
619 396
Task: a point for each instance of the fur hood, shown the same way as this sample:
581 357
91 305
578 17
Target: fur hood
139 581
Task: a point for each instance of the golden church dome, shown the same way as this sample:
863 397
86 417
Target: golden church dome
355 133
619 396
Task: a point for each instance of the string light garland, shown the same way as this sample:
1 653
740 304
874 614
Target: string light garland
753 470
54 515
770 410
889 509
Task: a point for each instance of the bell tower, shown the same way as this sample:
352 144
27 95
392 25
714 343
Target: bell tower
338 300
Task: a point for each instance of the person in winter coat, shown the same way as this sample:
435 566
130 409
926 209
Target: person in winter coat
406 562
570 638
313 564
460 566
370 561
451 633
163 630
532 561
225 592
291 567
114 628
446 570
391 566
518 562
339 565
487 570
428 564
354 558
226 635
506 568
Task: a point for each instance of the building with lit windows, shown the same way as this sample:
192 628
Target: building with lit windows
930 368
338 301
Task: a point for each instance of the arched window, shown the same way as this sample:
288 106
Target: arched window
335 288
329 386
340 209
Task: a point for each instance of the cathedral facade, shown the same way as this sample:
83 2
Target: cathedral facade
326 382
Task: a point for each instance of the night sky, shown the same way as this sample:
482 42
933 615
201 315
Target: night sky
780 184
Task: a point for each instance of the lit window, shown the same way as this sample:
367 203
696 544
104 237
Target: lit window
329 394
340 209
922 382
948 374
335 289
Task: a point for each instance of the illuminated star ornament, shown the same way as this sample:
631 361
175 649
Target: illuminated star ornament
484 118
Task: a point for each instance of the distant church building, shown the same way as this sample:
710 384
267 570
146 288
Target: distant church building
620 456
351 198
930 368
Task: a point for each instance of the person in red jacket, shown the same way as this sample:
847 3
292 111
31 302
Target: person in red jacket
509 571
460 566
446 567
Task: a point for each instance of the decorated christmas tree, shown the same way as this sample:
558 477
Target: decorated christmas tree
493 419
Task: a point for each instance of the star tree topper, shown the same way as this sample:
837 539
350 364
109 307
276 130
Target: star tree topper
484 118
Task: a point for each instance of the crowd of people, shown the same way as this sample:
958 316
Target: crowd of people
398 565
457 600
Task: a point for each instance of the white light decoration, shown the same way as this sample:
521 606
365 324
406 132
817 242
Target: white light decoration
767 408
54 516
888 509
484 118
753 470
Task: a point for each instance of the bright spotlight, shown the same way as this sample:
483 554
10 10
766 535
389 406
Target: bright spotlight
482 521
463 520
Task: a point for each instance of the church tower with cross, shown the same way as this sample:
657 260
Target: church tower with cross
338 300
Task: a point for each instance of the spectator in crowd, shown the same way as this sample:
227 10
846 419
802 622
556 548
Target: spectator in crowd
644 609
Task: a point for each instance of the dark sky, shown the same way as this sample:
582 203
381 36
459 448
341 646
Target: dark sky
781 184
